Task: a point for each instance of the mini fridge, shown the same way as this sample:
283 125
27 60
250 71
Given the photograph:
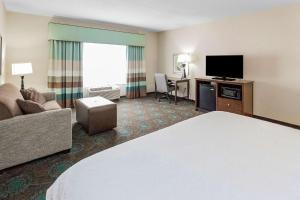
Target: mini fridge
207 97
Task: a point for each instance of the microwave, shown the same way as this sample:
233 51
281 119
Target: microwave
230 92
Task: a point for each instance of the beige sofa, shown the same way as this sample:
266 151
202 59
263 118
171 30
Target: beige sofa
27 137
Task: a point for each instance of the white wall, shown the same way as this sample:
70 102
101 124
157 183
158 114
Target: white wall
27 41
270 42
151 60
3 34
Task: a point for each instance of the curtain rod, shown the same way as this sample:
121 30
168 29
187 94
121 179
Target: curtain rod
95 28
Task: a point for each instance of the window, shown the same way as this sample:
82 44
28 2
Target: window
104 64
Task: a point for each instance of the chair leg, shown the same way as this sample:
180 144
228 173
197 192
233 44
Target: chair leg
155 91
168 97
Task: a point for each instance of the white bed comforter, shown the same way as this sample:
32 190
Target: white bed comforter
216 156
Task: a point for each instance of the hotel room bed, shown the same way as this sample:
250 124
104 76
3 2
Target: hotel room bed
215 156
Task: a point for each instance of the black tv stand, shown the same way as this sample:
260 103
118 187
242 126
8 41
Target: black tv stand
224 78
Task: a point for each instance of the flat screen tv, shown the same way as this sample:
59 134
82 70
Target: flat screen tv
224 66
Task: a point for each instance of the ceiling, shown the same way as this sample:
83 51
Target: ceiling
156 15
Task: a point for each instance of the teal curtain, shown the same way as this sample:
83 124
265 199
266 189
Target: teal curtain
136 76
65 71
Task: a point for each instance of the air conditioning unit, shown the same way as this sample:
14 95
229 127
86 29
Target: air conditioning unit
108 92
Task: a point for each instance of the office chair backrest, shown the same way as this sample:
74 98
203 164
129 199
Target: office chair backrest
161 82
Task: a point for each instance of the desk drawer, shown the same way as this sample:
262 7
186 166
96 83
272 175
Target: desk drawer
230 105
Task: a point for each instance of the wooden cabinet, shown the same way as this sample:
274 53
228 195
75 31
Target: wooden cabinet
242 105
229 105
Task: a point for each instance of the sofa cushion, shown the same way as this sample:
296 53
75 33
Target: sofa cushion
30 107
33 95
51 105
8 105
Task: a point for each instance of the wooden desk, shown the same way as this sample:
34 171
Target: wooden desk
176 81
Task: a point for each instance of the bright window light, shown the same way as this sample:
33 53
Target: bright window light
104 64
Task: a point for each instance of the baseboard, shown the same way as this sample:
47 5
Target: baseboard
266 119
277 122
150 93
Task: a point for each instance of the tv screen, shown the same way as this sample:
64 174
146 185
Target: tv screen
230 66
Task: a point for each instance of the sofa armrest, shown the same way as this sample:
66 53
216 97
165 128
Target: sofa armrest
49 96
28 137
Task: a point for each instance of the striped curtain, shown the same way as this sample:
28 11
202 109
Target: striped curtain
136 75
65 71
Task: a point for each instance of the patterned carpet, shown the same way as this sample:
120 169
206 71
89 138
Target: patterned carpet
135 118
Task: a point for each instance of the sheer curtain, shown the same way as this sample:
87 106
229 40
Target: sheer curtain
104 64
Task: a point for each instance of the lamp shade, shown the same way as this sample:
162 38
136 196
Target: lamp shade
184 58
21 69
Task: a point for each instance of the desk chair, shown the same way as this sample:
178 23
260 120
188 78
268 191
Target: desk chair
163 87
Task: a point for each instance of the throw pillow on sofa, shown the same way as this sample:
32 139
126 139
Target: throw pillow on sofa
30 107
33 95
8 105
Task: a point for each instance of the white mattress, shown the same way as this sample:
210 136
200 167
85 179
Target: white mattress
216 156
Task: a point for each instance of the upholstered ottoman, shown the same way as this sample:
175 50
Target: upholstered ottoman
96 114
